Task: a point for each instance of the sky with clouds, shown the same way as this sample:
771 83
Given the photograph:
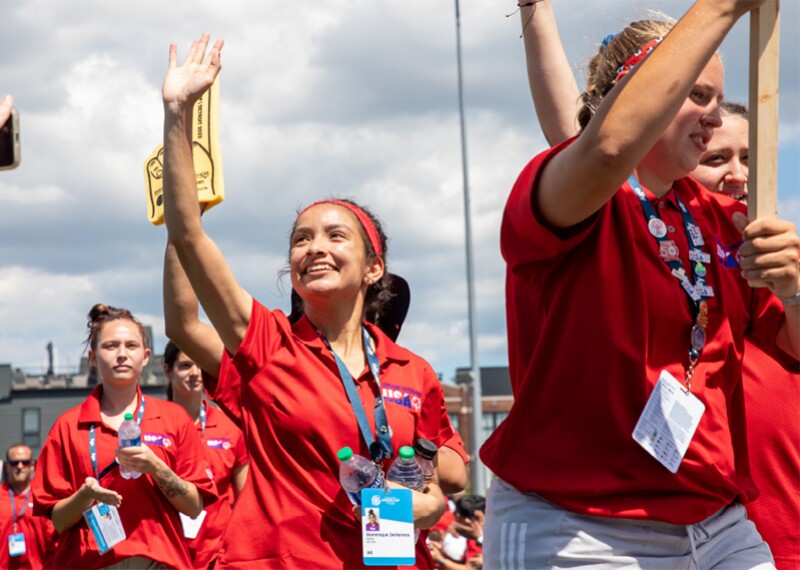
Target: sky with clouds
354 98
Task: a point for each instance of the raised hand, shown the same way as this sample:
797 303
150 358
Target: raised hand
184 84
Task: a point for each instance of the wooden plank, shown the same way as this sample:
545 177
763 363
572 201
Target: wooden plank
762 184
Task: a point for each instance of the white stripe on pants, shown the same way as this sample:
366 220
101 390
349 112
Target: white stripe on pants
525 532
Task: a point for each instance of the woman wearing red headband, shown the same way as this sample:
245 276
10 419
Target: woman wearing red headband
290 381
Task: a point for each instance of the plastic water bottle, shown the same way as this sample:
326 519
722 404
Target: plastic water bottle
129 435
406 470
356 473
426 450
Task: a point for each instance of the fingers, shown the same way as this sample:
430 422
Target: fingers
740 221
769 255
213 57
173 55
196 55
200 46
764 227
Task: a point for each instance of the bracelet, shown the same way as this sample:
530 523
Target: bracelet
795 300
525 5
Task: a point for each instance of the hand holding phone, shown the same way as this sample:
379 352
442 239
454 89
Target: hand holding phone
9 134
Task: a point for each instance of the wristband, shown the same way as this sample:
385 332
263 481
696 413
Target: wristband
795 300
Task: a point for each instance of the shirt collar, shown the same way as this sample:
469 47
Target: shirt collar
90 408
681 189
385 348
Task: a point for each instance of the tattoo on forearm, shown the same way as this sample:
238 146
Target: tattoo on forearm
171 484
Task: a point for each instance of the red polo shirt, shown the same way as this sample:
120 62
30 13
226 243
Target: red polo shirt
38 531
293 512
594 315
151 523
772 399
226 453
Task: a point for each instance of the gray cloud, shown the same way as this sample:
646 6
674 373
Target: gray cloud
353 98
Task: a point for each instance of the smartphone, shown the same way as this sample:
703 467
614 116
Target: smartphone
9 142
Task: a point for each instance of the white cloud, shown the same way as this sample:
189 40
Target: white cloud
349 97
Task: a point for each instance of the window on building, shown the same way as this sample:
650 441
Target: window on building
31 426
490 422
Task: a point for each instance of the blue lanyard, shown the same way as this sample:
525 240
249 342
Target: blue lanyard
382 448
14 507
694 287
93 445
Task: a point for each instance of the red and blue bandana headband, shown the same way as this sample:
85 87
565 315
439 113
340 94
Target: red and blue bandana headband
636 58
363 219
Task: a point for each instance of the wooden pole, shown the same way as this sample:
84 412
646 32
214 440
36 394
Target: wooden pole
762 184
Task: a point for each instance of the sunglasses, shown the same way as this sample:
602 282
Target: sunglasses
18 462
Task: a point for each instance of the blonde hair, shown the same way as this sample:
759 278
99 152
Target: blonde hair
603 67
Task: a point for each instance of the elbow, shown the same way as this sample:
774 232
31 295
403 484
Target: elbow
60 524
175 329
194 510
454 485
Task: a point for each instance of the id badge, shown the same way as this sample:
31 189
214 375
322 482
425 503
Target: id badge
16 544
191 526
668 422
387 527
104 522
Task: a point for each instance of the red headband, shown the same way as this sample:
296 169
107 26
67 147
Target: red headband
363 218
636 58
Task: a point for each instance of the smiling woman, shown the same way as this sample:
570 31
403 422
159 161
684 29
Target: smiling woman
288 381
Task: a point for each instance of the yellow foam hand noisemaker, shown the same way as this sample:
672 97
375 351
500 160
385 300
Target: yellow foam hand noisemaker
205 153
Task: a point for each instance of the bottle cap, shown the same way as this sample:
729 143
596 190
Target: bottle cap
425 448
128 417
407 452
344 454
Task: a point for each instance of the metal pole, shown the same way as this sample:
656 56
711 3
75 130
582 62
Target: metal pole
478 472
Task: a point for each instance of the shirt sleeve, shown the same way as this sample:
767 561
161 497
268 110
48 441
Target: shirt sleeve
54 461
456 444
434 422
767 318
524 236
240 451
226 390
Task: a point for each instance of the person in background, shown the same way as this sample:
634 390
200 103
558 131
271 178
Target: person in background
80 461
26 540
620 301
468 523
291 380
227 454
773 438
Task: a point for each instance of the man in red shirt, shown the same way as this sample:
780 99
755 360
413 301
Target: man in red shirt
25 537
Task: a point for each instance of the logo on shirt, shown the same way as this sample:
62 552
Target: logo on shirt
402 396
729 254
219 443
158 439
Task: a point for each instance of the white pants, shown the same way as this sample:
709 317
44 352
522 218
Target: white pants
525 532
